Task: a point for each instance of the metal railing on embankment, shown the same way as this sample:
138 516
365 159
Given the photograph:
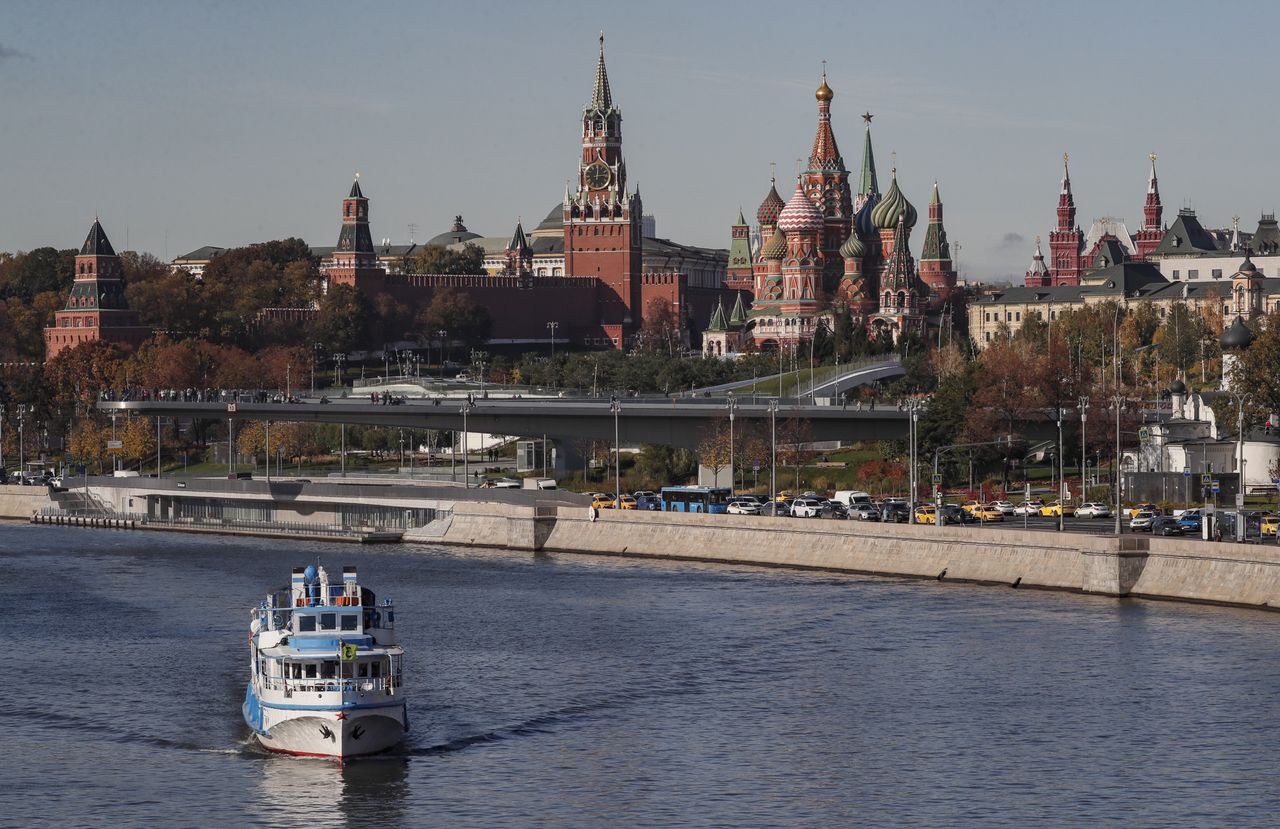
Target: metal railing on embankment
117 520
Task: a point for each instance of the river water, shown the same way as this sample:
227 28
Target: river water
563 691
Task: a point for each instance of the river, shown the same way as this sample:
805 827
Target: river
569 691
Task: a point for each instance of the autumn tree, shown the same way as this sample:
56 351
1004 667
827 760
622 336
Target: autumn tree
342 319
661 328
713 449
459 314
444 260
793 433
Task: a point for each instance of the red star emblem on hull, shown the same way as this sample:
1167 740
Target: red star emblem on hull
342 715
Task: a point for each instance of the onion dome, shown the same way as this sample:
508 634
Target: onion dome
1247 268
824 92
770 207
862 219
1238 336
892 205
1178 387
853 247
775 248
799 216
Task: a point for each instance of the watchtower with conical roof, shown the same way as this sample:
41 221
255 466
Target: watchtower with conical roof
1066 241
740 274
937 271
1148 238
354 262
97 308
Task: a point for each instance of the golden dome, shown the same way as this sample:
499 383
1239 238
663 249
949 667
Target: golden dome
824 92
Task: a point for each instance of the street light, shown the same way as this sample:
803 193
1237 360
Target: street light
1117 403
914 407
442 334
733 405
615 406
552 326
773 443
1062 474
466 468
1083 405
1241 399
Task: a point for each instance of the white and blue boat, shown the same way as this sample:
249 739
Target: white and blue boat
326 672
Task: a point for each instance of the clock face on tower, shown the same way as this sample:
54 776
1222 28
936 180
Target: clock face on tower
597 176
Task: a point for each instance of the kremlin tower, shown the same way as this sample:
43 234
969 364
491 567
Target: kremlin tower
1066 241
936 268
1148 239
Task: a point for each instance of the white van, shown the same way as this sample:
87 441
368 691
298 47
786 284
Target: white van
539 483
853 498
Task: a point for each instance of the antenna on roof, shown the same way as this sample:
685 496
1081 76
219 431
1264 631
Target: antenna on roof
413 229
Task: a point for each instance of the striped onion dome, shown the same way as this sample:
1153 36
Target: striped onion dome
775 248
770 207
892 205
799 216
853 247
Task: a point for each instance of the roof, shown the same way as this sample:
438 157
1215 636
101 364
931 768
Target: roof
454 235
1108 226
867 184
519 243
203 254
601 97
554 221
355 189
1267 237
1108 251
1185 236
97 243
1131 279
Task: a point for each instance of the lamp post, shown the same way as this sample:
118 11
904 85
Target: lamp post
1062 475
733 405
552 326
2 467
443 335
1241 399
615 406
466 466
773 445
159 420
1117 403
913 408
1083 405
338 360
266 429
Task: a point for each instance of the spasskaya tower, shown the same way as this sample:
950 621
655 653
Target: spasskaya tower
602 232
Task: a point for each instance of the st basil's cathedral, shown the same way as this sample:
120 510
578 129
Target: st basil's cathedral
827 250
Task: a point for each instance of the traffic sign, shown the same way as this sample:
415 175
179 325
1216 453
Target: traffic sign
1144 435
1206 479
937 479
1186 472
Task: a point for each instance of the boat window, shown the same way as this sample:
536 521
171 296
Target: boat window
296 670
328 621
311 670
349 621
348 670
375 669
328 670
306 622
364 669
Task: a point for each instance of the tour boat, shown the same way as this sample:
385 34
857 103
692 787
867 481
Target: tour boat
325 670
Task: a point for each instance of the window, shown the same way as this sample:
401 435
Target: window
988 336
328 621
1193 274
1216 273
329 670
348 621
363 669
988 316
1018 316
1175 274
375 669
1053 315
295 670
306 623
311 670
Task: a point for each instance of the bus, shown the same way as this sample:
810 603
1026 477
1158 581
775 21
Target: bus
694 499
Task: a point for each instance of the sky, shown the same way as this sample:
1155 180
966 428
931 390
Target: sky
226 123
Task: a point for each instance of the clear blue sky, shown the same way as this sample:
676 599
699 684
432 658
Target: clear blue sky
224 123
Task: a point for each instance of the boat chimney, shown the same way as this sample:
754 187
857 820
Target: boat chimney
298 586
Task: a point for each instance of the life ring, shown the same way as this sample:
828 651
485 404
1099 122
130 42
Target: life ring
277 620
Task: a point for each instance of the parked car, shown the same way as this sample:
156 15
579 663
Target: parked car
894 512
1005 507
1142 521
602 501
970 506
644 493
806 508
650 504
778 508
1152 508
986 513
627 502
864 512
926 515
953 514
1028 508
741 507
1057 508
1165 525
1093 509
1269 525
1190 521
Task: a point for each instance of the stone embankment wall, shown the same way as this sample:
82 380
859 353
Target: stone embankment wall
1131 565
21 501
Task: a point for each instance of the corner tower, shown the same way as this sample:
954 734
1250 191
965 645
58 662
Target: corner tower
1148 239
602 233
96 308
740 276
936 268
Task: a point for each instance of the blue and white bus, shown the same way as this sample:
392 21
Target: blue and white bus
694 499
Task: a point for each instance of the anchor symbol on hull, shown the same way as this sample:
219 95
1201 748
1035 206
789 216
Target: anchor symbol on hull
357 732
326 733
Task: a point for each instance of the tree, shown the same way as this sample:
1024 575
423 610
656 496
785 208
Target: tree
343 318
24 275
138 437
793 433
457 313
440 259
1179 337
1258 372
78 376
661 327
713 449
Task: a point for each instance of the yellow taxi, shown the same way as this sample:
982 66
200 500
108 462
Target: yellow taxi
784 495
986 512
926 515
1269 524
602 501
1132 511
627 502
970 506
1057 508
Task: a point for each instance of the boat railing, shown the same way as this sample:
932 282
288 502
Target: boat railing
368 685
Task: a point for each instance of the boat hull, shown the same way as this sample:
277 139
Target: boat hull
338 732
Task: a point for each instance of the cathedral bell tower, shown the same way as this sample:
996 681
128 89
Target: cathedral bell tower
602 233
